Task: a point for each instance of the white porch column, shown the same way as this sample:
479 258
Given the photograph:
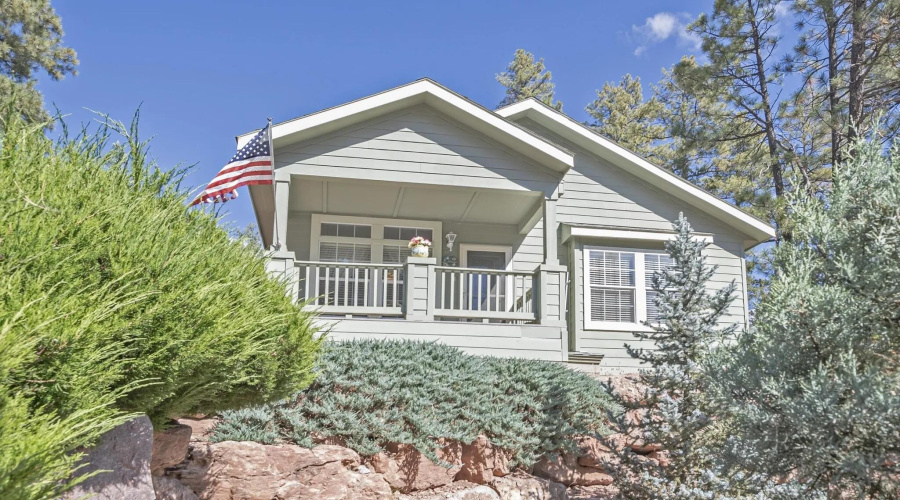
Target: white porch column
550 275
282 193
551 245
281 261
419 285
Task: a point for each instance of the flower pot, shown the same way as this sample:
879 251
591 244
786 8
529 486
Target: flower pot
419 251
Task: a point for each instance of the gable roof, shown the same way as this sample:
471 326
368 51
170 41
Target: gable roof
579 134
429 92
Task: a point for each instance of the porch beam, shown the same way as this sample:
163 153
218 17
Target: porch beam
528 224
399 201
471 204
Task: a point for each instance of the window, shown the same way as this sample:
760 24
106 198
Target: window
395 254
653 263
358 239
346 230
617 288
344 252
407 233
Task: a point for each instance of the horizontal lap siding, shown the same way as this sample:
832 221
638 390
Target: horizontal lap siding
417 146
525 341
597 193
527 250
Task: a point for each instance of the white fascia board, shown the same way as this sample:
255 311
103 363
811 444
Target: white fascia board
570 232
422 91
617 155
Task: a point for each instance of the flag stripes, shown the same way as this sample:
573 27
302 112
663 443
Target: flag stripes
253 164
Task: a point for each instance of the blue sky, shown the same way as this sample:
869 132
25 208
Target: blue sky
204 72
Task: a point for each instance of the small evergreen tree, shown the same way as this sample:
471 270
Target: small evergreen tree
814 387
526 78
675 412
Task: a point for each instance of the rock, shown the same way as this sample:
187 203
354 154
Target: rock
200 427
406 469
168 488
659 456
627 386
170 446
481 462
592 452
253 471
593 493
458 490
124 453
566 470
520 486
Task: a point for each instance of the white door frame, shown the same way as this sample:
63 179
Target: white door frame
464 249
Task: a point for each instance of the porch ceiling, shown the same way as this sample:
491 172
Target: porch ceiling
394 200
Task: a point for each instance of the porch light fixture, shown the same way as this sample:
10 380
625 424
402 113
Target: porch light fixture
451 237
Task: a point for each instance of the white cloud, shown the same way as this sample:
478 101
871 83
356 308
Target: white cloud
660 26
664 26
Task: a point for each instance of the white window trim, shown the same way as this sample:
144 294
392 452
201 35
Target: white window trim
464 249
640 291
377 240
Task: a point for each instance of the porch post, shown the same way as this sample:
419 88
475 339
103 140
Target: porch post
418 300
282 193
550 241
281 261
549 278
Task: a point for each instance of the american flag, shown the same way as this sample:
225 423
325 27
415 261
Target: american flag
252 164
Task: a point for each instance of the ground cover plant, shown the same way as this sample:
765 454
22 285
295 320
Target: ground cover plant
371 392
116 300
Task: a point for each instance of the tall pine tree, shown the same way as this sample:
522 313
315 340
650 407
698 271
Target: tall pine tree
620 113
525 78
30 40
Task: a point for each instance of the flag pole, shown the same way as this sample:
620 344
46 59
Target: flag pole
277 244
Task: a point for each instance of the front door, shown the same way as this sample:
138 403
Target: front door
487 289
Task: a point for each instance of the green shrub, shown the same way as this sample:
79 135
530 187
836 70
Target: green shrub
370 392
115 299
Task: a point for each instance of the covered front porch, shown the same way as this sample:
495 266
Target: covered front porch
499 289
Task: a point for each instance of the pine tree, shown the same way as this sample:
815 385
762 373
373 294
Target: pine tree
30 40
525 78
739 40
621 113
813 386
673 411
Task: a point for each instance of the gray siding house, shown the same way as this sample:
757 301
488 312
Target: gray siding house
555 229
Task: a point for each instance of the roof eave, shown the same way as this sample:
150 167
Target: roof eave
755 229
422 91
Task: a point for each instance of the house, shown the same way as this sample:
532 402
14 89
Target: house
545 233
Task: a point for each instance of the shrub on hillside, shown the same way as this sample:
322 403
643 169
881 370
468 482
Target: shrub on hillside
115 299
369 393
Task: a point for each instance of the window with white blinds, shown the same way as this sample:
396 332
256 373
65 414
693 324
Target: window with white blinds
395 254
358 240
653 263
617 290
345 252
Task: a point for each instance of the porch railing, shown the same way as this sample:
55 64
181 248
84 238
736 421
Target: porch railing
422 290
354 289
484 294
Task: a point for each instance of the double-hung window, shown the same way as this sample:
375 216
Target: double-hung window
617 287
